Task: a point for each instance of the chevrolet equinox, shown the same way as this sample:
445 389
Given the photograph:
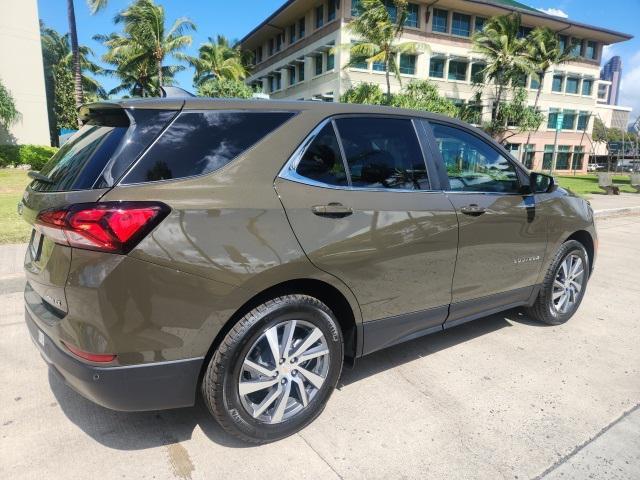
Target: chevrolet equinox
246 249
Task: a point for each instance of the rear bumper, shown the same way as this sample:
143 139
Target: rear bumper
155 386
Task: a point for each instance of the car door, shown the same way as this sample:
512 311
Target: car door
359 198
502 238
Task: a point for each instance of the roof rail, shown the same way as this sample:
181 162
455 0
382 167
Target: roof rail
174 92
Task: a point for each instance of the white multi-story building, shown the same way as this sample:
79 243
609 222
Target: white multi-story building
22 72
295 58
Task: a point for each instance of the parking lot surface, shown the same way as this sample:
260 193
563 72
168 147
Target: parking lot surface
501 397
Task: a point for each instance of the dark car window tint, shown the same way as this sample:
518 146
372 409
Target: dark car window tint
383 153
472 164
201 142
322 160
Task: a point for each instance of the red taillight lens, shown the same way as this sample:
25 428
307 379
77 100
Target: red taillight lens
114 227
92 357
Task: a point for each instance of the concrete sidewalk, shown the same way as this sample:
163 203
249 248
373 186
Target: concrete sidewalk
613 205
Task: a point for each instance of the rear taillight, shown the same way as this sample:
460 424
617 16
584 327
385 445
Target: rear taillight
114 227
92 357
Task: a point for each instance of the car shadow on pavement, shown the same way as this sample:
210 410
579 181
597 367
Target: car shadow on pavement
142 430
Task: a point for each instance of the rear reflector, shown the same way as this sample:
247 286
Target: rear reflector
92 357
114 227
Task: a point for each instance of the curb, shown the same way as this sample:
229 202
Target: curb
616 212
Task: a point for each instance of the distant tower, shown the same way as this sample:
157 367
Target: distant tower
612 71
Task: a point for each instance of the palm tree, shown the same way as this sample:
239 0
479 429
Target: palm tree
137 72
96 5
378 35
505 54
77 70
146 36
217 59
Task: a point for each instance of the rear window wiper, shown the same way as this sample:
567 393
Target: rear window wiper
39 176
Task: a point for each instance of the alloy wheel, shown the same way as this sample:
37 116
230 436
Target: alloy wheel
568 283
283 371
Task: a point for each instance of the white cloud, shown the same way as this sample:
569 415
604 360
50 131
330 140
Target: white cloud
556 12
630 85
608 51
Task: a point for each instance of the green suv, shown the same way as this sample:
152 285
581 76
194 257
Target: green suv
247 249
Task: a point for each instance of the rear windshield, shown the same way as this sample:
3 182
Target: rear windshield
201 142
98 154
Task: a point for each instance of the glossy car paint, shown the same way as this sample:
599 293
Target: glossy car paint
241 230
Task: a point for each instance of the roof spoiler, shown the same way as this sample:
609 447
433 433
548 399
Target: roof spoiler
174 92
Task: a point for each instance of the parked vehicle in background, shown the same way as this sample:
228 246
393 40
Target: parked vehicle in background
244 249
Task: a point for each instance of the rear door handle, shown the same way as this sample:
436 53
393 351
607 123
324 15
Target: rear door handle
332 210
473 210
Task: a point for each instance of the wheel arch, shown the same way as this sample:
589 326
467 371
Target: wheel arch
583 237
347 316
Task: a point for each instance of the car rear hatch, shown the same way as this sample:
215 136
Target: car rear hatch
80 173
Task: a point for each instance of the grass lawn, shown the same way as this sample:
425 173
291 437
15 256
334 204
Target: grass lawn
13 229
586 185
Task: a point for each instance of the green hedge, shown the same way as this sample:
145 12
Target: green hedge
34 155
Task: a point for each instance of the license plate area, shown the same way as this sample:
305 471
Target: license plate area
41 338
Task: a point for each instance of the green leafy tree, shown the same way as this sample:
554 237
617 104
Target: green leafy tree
364 93
146 38
8 112
224 88
378 35
217 59
75 55
424 95
505 55
514 117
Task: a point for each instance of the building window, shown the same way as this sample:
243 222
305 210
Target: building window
520 80
319 16
523 32
276 82
553 118
558 80
440 21
271 45
378 66
569 120
576 47
458 69
602 92
578 157
355 8
301 27
583 120
528 155
301 71
279 40
547 159
292 75
534 83
412 16
392 10
408 64
479 24
436 67
292 33
572 85
591 51
562 42
461 25
258 54
477 72
358 62
563 157
331 10
587 87
318 64
331 61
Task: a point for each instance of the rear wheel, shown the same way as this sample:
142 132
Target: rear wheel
275 370
563 286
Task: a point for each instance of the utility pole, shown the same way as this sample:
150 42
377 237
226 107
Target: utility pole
559 121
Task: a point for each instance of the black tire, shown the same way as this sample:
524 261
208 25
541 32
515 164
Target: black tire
543 309
221 379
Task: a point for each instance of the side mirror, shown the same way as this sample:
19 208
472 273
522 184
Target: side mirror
541 183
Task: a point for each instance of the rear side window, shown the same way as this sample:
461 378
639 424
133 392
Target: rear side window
322 161
383 153
201 142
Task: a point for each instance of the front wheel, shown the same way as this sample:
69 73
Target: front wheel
275 370
564 285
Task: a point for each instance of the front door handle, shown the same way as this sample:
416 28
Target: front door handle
474 210
332 210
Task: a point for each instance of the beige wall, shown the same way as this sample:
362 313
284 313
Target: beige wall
22 72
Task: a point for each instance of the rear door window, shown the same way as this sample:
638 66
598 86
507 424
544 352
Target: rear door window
201 142
383 153
322 160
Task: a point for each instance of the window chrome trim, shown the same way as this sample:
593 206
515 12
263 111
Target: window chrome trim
288 172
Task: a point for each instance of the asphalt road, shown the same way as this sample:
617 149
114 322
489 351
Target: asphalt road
501 397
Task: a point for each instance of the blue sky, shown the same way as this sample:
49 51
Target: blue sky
235 18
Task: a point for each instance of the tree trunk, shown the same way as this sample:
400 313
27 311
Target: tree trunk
386 74
159 64
77 72
535 103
